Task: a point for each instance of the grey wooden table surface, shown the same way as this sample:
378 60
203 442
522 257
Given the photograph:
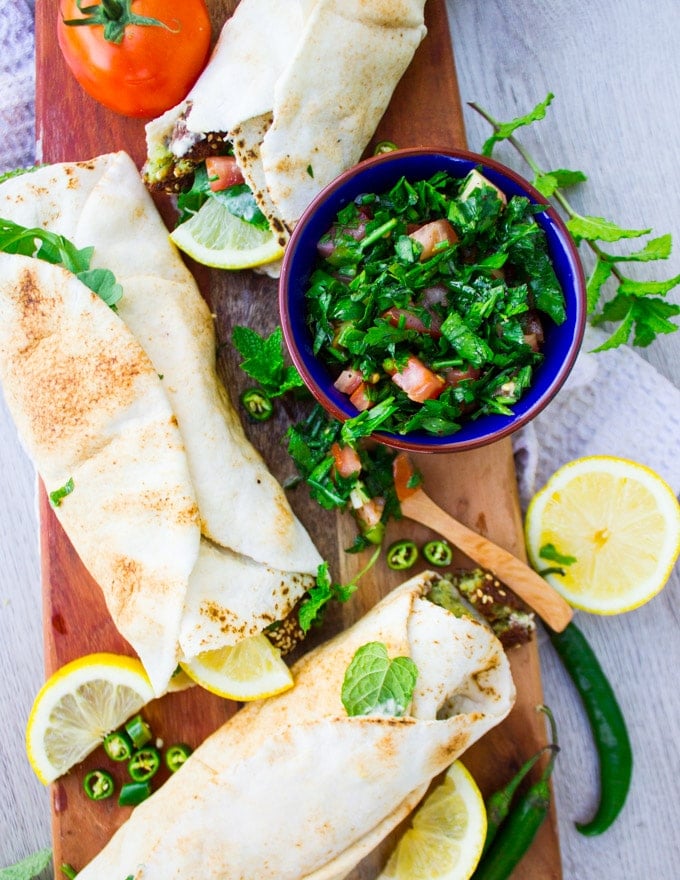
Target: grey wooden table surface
613 66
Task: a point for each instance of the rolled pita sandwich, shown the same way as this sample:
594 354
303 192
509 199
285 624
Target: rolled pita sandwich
293 787
295 90
256 559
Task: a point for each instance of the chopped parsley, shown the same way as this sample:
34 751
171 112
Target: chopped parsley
463 315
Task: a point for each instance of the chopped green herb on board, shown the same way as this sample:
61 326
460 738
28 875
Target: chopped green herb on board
59 494
638 309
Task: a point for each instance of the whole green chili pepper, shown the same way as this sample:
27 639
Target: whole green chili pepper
517 833
606 722
498 803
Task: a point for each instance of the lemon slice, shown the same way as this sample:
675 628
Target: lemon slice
447 832
214 237
78 706
250 670
618 525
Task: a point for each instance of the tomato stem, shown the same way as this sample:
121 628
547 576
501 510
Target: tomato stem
114 16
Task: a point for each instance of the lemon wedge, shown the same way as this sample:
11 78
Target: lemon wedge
78 706
612 526
215 237
447 832
252 669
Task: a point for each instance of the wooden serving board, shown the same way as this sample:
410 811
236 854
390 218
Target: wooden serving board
478 487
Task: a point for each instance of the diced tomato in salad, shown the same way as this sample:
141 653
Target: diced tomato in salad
418 382
432 236
348 381
223 172
346 461
360 398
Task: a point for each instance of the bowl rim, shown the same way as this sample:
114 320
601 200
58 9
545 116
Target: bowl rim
447 443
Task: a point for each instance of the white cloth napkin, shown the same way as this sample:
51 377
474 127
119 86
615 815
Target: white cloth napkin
17 85
613 403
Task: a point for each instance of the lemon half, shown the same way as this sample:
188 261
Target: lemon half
447 832
78 706
620 523
215 237
250 670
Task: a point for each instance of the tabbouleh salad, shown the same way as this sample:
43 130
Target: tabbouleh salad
432 299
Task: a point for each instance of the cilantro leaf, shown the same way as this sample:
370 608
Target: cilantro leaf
30 867
263 360
376 685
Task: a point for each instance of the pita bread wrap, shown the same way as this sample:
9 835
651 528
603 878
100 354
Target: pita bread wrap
91 411
298 88
242 512
292 787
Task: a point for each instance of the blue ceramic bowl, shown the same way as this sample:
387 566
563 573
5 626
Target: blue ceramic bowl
379 174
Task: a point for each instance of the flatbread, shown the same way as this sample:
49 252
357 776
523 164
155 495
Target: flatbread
90 408
103 203
292 788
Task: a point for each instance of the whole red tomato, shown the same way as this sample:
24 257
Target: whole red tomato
137 57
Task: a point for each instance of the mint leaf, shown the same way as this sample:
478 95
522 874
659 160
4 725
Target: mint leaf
547 182
599 229
376 685
29 867
630 287
505 130
550 552
263 360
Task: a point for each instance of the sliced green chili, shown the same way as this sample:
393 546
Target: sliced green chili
401 555
68 871
607 724
133 793
384 147
258 404
516 834
139 731
118 746
438 553
176 755
144 764
98 785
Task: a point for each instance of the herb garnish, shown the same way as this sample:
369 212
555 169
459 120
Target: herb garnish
376 685
58 495
55 249
637 307
238 200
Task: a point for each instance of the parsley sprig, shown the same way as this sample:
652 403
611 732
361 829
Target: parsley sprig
638 308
